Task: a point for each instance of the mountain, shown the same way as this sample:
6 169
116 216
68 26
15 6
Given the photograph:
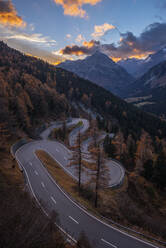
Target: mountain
138 67
100 69
33 91
149 91
131 65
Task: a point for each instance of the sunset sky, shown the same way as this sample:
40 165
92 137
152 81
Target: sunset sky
58 29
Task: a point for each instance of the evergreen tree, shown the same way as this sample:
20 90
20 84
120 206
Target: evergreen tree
160 171
109 147
148 169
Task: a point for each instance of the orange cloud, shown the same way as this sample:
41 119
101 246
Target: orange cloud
87 48
8 15
74 7
116 59
100 30
71 50
89 44
135 53
134 56
47 59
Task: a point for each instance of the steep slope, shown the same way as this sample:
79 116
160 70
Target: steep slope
131 65
32 90
149 91
138 67
100 69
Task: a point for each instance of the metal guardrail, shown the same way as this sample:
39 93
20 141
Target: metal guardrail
17 145
133 231
117 185
22 142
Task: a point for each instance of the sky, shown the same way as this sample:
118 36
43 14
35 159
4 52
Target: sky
56 30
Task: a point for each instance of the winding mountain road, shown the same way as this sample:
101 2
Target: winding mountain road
115 170
73 218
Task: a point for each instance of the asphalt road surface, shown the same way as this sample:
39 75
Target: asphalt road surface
73 218
115 170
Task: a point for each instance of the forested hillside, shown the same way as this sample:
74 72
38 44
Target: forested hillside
32 91
149 91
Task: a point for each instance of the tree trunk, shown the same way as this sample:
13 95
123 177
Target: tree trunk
80 161
97 178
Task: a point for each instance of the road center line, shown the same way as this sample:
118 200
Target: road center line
108 243
73 220
57 150
36 173
42 184
52 198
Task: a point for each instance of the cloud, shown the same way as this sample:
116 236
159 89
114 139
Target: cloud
31 44
151 40
80 38
9 16
68 36
101 30
35 51
74 7
35 38
86 49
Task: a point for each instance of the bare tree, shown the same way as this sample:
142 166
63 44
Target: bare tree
4 134
94 132
100 176
77 160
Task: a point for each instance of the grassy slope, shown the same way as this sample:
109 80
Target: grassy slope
21 221
128 211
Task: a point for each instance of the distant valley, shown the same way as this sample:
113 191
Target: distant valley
149 91
146 91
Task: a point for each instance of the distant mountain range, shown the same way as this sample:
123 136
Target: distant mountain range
32 91
100 69
149 91
138 67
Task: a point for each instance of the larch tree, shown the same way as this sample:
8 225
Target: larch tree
4 133
94 132
76 160
100 174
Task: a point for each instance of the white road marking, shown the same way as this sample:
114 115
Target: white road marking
42 184
30 163
73 220
65 158
108 243
57 150
52 198
111 227
36 173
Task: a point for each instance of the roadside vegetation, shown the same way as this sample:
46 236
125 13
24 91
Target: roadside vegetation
33 91
125 205
22 222
62 133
